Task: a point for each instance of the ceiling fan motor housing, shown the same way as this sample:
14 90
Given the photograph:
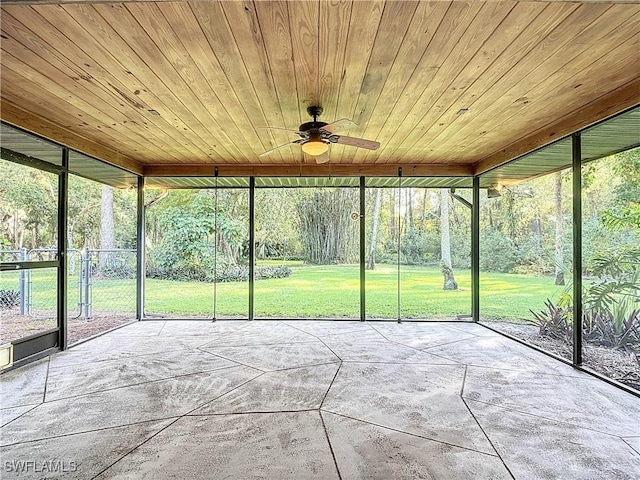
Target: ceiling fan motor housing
309 126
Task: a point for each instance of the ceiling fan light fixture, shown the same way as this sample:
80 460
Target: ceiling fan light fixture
314 147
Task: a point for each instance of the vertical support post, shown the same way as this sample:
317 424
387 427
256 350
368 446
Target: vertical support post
577 247
141 268
475 251
252 242
399 231
63 196
80 269
86 277
363 259
23 284
215 248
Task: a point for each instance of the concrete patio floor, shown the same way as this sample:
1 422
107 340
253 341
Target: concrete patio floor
312 400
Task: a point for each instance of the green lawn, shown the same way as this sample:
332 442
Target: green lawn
333 291
316 292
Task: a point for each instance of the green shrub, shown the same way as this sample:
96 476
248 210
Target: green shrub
413 247
228 273
497 253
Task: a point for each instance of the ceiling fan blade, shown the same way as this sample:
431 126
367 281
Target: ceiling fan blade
339 125
278 147
358 142
322 158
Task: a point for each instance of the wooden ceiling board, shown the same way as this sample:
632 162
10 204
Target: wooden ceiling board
509 91
181 84
119 85
412 68
361 37
572 77
28 96
45 128
396 19
442 130
493 58
162 56
461 43
148 87
440 43
202 70
249 66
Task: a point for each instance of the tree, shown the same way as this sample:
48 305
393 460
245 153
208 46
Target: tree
371 262
107 226
445 242
324 217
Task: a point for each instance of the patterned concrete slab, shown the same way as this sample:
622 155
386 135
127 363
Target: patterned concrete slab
144 328
285 390
264 333
204 328
404 406
276 357
80 379
417 336
112 347
583 401
473 329
10 414
633 442
363 336
535 447
357 351
149 401
265 445
78 456
500 352
420 399
24 386
370 452
323 328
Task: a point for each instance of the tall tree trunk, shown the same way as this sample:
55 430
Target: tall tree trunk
371 262
409 221
392 212
559 260
423 214
445 242
107 228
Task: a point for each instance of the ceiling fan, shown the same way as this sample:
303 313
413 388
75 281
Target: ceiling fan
316 136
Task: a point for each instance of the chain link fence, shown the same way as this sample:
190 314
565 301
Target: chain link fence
98 282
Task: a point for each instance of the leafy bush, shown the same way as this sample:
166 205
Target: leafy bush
611 316
460 249
497 252
620 330
263 273
229 273
554 322
413 247
116 271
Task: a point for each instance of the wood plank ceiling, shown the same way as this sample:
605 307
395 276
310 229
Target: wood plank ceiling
446 87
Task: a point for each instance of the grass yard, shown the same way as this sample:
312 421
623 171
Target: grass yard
333 292
313 292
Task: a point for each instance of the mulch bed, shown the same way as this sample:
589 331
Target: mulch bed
618 365
14 326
